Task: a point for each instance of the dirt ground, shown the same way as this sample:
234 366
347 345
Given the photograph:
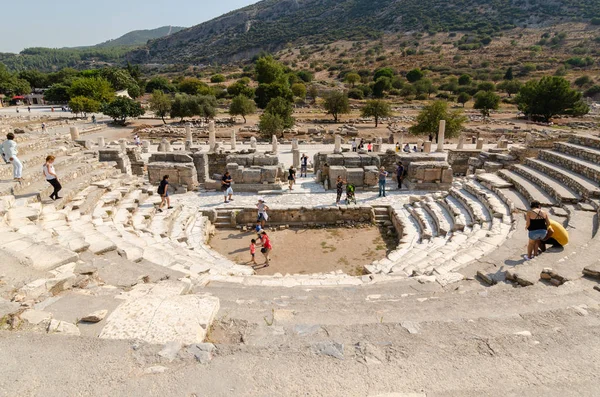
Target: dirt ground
307 251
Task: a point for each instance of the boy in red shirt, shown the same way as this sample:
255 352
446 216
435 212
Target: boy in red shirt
253 250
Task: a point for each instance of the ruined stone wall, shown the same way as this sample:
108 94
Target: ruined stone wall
116 155
459 159
429 175
310 216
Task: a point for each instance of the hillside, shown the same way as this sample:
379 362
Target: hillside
109 52
270 25
140 37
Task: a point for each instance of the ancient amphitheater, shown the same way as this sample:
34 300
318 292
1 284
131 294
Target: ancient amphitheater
103 295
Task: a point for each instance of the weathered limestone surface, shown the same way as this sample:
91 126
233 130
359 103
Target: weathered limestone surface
159 319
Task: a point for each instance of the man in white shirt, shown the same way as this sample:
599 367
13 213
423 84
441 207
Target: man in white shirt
9 151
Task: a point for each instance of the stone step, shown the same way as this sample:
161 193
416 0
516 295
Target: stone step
583 152
497 205
513 196
529 189
588 169
36 254
462 216
586 141
477 210
443 220
577 182
493 180
553 187
425 224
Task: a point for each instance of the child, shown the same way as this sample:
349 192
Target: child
253 250
163 190
258 227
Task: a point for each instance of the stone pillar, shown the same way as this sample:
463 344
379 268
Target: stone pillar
479 144
145 146
419 145
74 133
427 147
295 144
188 132
162 146
378 145
101 142
233 143
275 148
338 144
212 136
441 136
296 157
253 143
461 142
123 145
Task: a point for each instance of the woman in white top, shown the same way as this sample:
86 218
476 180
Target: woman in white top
262 212
51 177
9 151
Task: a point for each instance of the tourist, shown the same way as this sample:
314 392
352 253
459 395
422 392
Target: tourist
253 250
361 146
262 213
354 145
163 190
398 147
557 236
226 187
406 148
400 174
369 147
350 193
137 140
382 180
303 165
43 127
266 247
339 187
292 177
537 223
51 177
430 138
259 228
9 151
94 119
415 149
29 109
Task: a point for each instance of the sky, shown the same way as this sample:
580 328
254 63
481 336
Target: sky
72 23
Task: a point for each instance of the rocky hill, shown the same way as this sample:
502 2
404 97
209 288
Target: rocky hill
270 25
140 37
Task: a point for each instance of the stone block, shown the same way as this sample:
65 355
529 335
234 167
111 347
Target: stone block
269 174
335 159
252 175
371 176
355 176
159 319
334 172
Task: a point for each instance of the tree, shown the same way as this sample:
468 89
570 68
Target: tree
282 108
206 106
183 106
509 75
57 93
352 79
159 83
35 78
270 124
425 86
463 98
160 104
583 81
120 79
217 78
486 86
415 75
376 108
549 97
510 87
121 108
305 76
268 70
465 79
485 101
383 72
266 92
96 88
299 90
241 87
313 92
429 118
194 86
381 86
241 105
84 105
336 103
10 84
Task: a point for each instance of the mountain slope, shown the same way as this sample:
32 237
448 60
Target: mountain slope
140 37
271 24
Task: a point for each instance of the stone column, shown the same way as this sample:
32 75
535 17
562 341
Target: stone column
101 142
233 143
74 133
253 143
296 158
275 148
162 146
441 136
479 144
295 144
145 146
427 147
188 132
378 145
212 136
123 145
338 144
461 142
